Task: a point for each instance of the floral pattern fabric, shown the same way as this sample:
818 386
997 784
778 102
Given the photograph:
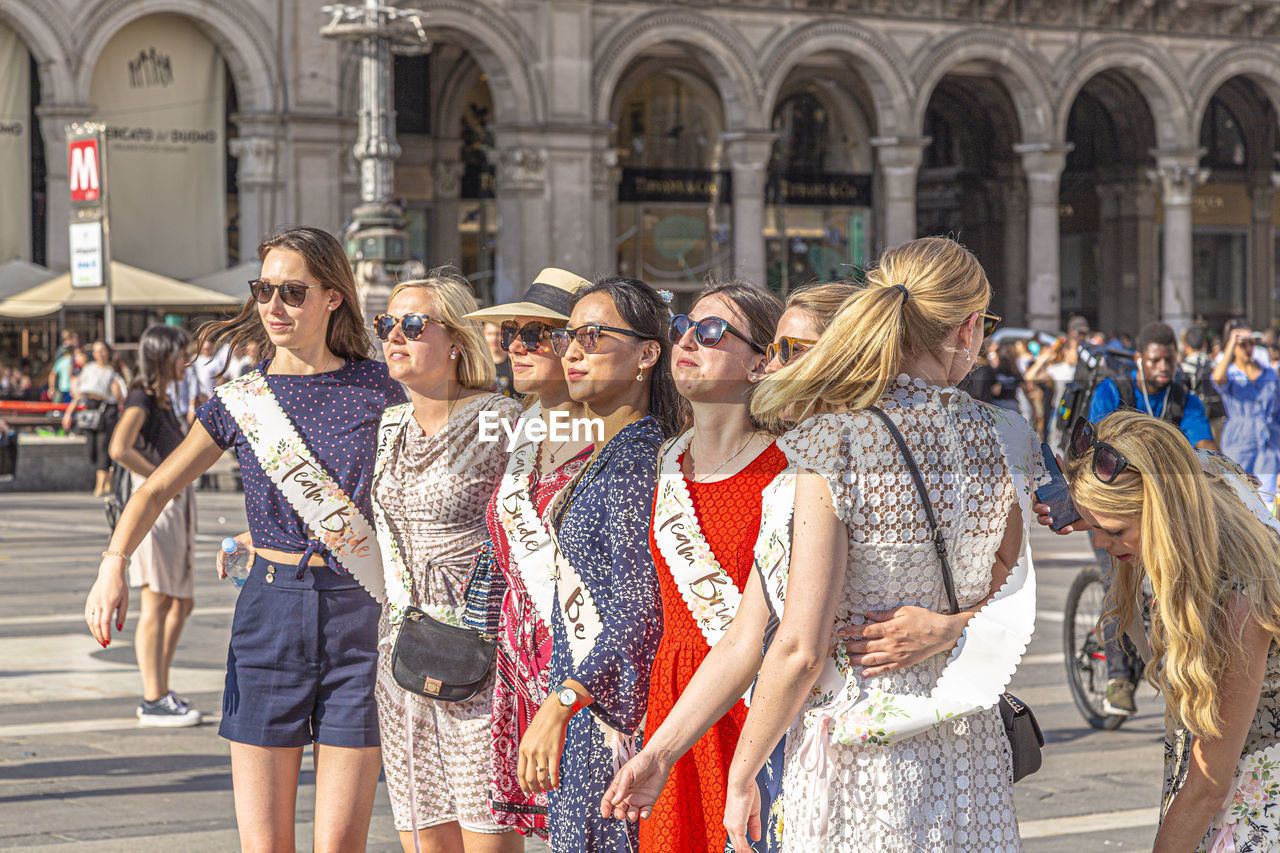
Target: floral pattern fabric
1252 814
603 532
950 787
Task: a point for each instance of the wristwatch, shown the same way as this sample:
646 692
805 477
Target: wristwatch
568 698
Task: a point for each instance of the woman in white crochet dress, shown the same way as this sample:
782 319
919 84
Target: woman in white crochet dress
869 766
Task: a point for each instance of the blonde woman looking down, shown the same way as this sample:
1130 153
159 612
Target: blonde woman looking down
861 544
432 479
1194 524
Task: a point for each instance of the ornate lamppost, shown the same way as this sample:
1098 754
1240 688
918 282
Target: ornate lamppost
375 239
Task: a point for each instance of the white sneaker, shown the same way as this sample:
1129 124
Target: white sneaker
167 712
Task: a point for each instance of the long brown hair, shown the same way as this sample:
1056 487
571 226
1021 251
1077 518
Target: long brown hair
327 263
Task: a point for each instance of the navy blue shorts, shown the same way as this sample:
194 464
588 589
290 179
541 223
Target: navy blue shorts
303 660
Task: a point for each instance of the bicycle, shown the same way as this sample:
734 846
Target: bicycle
1084 656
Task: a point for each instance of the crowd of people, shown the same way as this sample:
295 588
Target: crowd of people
769 602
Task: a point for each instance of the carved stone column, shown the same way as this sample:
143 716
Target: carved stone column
1178 172
899 160
258 182
54 119
605 176
1261 306
749 152
444 241
1043 164
523 227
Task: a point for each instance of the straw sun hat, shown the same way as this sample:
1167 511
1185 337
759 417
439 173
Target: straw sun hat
548 298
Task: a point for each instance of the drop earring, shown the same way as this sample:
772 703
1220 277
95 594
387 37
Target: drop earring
640 375
453 353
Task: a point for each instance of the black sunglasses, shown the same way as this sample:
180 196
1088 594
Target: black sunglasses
411 325
1107 461
588 337
786 348
531 335
292 293
708 331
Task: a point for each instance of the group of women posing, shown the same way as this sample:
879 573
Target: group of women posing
746 504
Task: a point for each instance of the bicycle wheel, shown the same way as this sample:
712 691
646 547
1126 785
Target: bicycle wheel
1085 659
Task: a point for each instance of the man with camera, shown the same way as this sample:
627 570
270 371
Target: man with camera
1155 386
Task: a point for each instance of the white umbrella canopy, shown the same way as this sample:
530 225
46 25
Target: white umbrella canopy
233 281
18 275
130 288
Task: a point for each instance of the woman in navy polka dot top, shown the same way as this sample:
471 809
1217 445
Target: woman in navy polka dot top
301 664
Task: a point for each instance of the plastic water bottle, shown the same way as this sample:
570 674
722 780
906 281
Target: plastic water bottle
235 560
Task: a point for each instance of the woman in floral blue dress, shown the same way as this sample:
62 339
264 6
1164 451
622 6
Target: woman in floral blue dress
608 618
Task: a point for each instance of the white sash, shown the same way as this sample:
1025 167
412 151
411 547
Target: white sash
976 673
581 616
530 546
707 590
330 515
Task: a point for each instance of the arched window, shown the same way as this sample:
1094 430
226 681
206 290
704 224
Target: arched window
1221 136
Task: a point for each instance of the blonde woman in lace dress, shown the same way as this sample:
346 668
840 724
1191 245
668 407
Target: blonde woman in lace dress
869 767
431 483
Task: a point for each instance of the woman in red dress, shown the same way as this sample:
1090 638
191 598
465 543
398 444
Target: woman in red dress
706 519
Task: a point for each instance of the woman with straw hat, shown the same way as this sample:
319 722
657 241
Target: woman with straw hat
523 591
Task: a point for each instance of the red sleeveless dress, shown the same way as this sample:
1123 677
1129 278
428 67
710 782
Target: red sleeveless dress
689 816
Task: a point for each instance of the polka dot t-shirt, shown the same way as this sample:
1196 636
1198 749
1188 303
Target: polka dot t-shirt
337 415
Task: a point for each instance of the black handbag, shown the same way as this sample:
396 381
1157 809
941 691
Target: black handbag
1020 726
446 662
118 496
89 419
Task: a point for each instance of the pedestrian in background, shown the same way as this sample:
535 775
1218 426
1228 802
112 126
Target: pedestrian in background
302 660
99 388
1198 530
63 367
163 564
432 480
1251 398
501 362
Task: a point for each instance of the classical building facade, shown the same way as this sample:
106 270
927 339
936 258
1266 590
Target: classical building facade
1116 158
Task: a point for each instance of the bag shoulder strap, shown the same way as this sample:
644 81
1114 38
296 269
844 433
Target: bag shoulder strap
938 543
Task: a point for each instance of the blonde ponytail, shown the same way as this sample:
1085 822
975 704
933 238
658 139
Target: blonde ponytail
862 350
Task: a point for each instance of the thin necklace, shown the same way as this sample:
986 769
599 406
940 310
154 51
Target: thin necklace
736 454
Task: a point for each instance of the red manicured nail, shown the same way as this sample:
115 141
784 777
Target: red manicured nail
104 645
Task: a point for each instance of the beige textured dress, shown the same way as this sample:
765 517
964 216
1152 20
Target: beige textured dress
432 493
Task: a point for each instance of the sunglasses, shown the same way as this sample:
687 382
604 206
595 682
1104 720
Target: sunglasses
1107 461
292 293
531 335
588 337
411 325
708 331
786 348
989 323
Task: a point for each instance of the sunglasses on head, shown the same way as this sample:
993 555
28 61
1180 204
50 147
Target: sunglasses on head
786 348
989 323
531 335
1107 461
292 293
411 325
587 336
708 331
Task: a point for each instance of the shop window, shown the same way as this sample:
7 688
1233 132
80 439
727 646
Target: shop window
1219 273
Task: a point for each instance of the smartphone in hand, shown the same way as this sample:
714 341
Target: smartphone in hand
1061 508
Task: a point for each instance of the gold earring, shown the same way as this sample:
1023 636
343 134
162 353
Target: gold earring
640 375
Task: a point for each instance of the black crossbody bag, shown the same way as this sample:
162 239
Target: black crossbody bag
445 662
1020 726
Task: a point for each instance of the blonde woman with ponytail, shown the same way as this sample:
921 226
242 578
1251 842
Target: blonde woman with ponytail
868 764
1197 528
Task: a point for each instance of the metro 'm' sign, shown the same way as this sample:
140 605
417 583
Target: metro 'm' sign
84 174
